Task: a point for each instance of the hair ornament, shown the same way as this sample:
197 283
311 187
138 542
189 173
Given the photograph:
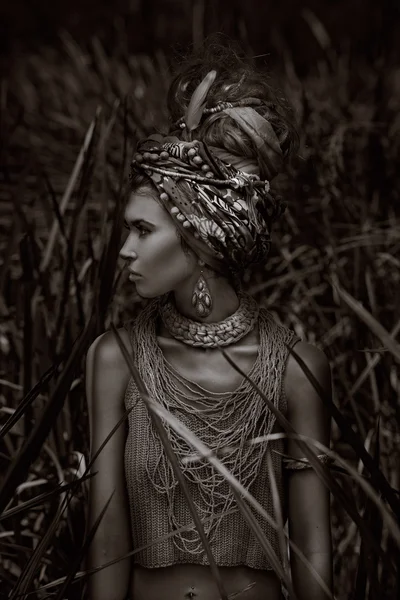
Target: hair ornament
197 103
221 106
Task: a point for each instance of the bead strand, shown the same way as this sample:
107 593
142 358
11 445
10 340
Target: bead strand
221 106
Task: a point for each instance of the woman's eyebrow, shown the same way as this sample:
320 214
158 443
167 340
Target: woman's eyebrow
137 222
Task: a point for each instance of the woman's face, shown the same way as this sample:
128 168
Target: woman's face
152 247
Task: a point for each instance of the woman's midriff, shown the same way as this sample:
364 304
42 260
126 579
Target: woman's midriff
196 582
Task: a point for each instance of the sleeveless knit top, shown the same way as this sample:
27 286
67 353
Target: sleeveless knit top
157 504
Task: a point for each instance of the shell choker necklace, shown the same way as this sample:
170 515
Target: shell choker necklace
210 335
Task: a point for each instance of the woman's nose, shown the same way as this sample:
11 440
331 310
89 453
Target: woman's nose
127 250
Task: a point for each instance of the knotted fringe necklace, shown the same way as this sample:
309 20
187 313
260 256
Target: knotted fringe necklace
211 335
228 419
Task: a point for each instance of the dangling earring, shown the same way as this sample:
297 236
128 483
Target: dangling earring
201 298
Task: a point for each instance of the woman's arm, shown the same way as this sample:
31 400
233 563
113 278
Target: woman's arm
309 500
106 379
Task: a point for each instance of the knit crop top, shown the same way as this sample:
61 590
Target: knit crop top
157 504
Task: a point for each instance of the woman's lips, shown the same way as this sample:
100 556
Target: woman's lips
133 276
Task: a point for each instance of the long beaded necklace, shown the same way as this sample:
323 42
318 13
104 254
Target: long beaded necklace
211 335
226 421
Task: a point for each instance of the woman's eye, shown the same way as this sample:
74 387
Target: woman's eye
142 230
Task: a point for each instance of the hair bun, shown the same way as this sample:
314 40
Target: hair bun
238 82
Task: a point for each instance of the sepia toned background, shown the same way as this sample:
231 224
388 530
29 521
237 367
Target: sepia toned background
81 82
364 26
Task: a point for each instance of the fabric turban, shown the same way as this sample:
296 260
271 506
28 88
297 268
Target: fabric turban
225 215
220 204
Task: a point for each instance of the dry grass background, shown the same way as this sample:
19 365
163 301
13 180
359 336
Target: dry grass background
69 121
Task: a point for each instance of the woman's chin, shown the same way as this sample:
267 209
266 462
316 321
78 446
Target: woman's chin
148 294
145 294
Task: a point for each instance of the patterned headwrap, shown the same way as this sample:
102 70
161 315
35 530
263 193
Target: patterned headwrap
224 214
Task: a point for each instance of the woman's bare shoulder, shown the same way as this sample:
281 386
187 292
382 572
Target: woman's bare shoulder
310 354
107 373
297 385
105 350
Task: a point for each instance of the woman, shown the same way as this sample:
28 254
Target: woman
198 215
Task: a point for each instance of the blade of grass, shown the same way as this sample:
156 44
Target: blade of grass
372 363
32 446
265 544
28 227
367 562
7 259
28 572
175 465
236 485
28 399
347 469
86 169
87 573
104 284
377 477
317 28
68 191
104 196
321 470
200 446
62 592
27 286
370 321
370 492
31 567
37 500
392 526
190 526
69 247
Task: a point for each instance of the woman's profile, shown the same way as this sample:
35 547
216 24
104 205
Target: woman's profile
199 214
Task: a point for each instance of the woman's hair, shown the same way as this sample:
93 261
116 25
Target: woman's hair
237 78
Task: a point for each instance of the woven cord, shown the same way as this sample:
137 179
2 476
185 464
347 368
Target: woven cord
211 335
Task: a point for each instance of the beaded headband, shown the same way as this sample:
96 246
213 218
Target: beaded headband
220 106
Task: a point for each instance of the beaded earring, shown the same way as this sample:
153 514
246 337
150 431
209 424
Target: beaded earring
201 298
